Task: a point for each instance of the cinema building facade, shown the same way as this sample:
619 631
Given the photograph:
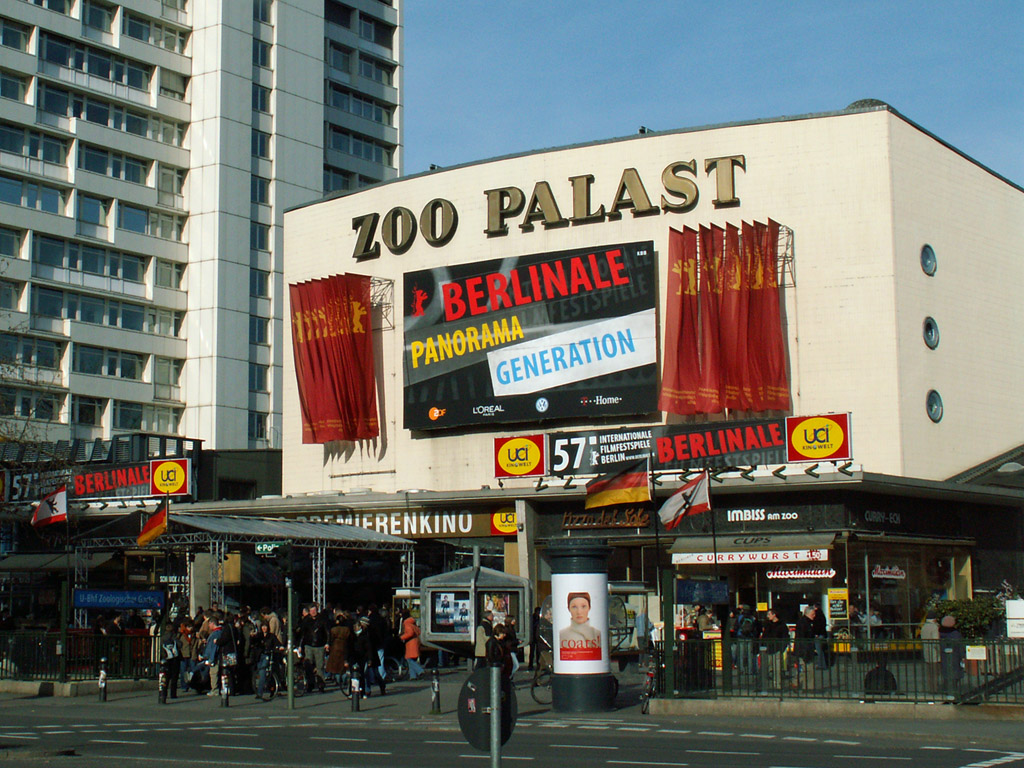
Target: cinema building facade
511 328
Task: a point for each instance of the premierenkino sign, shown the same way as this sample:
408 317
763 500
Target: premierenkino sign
438 220
544 336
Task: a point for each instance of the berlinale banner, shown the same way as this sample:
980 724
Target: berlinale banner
332 344
681 375
742 349
547 336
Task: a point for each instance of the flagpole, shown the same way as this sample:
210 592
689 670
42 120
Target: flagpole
66 596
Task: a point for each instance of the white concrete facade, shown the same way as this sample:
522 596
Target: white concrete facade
148 150
863 191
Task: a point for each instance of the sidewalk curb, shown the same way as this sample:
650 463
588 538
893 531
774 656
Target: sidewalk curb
43 688
763 707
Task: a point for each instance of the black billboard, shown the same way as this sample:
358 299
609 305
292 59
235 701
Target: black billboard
562 335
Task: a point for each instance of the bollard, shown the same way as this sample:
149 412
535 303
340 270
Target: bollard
103 679
225 686
435 692
357 687
161 684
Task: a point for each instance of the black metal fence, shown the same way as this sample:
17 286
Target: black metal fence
38 656
958 671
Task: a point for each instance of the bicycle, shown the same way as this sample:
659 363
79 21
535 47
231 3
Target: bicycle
276 683
540 687
650 687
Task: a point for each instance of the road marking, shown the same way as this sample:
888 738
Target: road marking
232 733
115 741
256 718
583 746
132 730
869 757
360 752
335 738
645 762
719 752
757 735
230 746
594 727
797 738
947 749
632 728
840 741
17 736
672 730
554 725
453 741
714 733
504 757
1007 758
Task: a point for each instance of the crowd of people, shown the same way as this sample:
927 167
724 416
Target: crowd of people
199 650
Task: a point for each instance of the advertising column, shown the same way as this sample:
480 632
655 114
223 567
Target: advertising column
582 680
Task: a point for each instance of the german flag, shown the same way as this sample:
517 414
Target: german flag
155 526
630 484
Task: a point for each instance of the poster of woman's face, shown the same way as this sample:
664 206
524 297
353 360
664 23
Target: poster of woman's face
579 604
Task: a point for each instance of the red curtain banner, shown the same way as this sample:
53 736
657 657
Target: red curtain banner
333 350
709 395
733 324
776 380
755 317
681 373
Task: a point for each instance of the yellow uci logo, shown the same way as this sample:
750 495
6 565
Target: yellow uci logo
519 456
817 437
503 521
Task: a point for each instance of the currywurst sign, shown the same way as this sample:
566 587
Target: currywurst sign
548 336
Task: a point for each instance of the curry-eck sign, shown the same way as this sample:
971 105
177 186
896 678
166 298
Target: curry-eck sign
438 220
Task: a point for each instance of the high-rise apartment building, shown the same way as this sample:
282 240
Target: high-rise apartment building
148 150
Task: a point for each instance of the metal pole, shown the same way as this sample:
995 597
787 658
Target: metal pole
867 596
290 662
495 716
356 681
103 679
435 692
668 635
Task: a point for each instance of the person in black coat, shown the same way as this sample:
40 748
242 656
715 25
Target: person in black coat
364 655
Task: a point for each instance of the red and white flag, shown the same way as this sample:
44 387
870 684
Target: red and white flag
52 509
691 499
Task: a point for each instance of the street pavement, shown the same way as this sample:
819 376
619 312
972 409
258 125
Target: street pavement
133 729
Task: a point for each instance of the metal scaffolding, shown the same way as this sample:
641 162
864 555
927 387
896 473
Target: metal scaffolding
217 556
319 575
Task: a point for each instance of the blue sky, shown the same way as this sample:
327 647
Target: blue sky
488 77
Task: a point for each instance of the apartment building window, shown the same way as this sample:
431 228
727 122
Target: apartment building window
92 210
169 274
10 295
173 84
133 219
60 6
259 236
374 69
257 425
258 377
259 330
153 32
164 322
261 10
167 371
125 365
30 351
13 35
338 13
375 31
87 360
28 143
260 144
47 302
147 222
98 16
260 190
260 98
339 58
127 415
259 283
357 105
42 406
56 101
260 53
87 411
353 144
96 62
41 197
335 180
12 86
10 243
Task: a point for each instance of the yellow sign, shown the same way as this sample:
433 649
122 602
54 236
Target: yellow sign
503 522
519 456
762 607
169 477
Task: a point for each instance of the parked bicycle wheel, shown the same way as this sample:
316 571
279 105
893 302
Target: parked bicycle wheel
345 683
540 689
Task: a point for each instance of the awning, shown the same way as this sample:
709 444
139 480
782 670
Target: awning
49 562
752 548
262 528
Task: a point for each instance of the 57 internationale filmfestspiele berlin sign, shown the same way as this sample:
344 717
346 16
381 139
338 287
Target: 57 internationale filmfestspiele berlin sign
547 336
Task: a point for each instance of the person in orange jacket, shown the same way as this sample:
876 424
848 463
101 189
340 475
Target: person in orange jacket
411 637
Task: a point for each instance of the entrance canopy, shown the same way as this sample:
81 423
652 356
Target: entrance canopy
739 549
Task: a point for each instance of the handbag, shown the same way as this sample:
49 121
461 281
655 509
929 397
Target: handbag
230 659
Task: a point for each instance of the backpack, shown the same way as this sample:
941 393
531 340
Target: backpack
746 626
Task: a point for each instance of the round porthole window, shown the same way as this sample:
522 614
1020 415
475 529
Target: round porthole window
931 332
928 261
934 406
